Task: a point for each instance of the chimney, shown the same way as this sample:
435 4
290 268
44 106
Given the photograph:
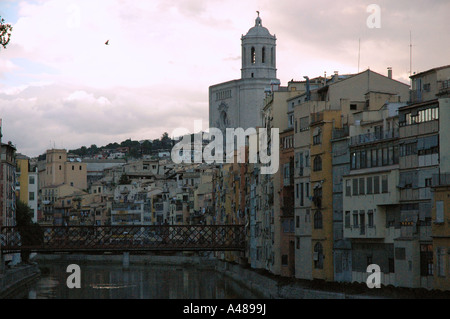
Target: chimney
335 76
389 72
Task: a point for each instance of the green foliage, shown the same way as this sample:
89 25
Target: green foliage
30 232
124 180
5 33
136 149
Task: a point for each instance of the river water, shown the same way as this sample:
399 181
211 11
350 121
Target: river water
136 282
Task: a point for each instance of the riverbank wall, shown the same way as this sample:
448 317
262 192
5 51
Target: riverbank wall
14 279
168 260
261 283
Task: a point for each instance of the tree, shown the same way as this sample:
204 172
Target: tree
124 180
166 141
30 232
5 33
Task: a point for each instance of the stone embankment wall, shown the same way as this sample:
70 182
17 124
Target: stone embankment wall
15 278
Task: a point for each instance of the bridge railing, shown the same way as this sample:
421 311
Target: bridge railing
122 238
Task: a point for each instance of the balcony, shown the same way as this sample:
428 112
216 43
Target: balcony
444 88
340 132
364 231
373 137
442 179
316 118
126 206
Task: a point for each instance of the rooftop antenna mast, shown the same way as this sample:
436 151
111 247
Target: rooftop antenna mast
359 52
410 55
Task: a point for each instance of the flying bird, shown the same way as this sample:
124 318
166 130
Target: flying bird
107 42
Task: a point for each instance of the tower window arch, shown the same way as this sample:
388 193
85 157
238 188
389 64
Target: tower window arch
263 55
253 55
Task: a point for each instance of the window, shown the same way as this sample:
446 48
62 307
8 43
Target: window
391 265
318 220
369 185
439 211
284 260
297 221
361 186
353 160
384 184
363 159
353 107
81 168
348 188
253 56
301 195
317 163
355 218
426 260
376 184
374 158
385 156
370 218
60 167
440 255
317 136
73 167
318 256
304 123
263 55
347 219
31 196
355 187
31 180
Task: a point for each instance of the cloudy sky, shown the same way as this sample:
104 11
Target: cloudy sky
61 86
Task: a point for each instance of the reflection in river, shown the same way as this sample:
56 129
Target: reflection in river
137 282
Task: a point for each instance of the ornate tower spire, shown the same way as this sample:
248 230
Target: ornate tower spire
258 52
258 21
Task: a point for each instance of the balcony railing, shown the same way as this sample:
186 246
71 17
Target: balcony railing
444 88
316 117
373 137
340 132
442 179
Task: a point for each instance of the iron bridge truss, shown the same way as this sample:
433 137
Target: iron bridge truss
122 238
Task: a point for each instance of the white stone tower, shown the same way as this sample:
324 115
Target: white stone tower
238 103
258 53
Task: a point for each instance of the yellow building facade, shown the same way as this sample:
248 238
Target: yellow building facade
321 126
441 236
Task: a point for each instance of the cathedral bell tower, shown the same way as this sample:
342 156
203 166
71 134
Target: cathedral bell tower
258 53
